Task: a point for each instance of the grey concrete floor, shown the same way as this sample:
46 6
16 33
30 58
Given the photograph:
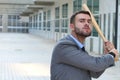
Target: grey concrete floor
24 57
27 57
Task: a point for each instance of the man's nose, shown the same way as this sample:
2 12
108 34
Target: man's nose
86 22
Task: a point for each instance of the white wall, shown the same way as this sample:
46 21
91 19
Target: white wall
107 6
17 1
118 45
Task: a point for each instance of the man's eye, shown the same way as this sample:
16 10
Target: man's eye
90 21
82 21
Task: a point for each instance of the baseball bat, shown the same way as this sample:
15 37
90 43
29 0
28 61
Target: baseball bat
96 26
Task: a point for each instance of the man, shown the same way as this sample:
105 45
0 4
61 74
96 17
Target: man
70 61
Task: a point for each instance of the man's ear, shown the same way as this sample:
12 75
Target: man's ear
72 27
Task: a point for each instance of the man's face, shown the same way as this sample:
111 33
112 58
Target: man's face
82 25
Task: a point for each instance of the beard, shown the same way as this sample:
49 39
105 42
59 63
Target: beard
81 32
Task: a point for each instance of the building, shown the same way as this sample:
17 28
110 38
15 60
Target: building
10 20
50 19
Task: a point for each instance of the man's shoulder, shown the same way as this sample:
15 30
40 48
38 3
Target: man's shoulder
66 40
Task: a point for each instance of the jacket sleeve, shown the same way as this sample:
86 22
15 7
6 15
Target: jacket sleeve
75 57
96 74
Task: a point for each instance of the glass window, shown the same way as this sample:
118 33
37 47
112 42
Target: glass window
40 21
109 18
57 21
93 6
113 34
30 22
64 22
44 21
36 21
94 32
104 23
65 11
13 21
0 20
57 11
96 6
48 19
77 4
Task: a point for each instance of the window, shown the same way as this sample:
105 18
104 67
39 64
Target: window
44 21
14 25
109 18
77 5
57 22
40 21
48 20
113 34
0 20
94 32
104 23
35 23
65 11
30 22
13 20
93 6
64 22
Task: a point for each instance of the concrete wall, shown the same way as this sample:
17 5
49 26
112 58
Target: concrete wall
118 45
107 6
11 9
17 1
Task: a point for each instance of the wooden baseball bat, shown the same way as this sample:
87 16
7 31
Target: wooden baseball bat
96 26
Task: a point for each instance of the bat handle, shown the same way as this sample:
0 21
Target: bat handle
116 59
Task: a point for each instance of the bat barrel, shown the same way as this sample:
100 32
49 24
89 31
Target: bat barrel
96 26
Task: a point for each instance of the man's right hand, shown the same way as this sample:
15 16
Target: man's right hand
109 47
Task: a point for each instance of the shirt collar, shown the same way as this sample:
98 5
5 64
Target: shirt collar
77 42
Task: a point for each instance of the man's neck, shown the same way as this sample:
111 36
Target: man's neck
78 37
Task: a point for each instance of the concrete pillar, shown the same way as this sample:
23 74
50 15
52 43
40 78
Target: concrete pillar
4 23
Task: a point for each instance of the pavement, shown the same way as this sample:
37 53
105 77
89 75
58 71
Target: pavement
27 57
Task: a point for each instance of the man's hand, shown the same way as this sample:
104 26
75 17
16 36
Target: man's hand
109 47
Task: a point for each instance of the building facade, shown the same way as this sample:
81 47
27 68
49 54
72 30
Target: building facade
10 18
50 19
52 22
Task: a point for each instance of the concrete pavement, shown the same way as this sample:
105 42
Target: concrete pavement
27 57
24 57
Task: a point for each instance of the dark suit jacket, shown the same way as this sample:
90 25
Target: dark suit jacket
69 62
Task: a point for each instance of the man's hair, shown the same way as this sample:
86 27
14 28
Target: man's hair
72 19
